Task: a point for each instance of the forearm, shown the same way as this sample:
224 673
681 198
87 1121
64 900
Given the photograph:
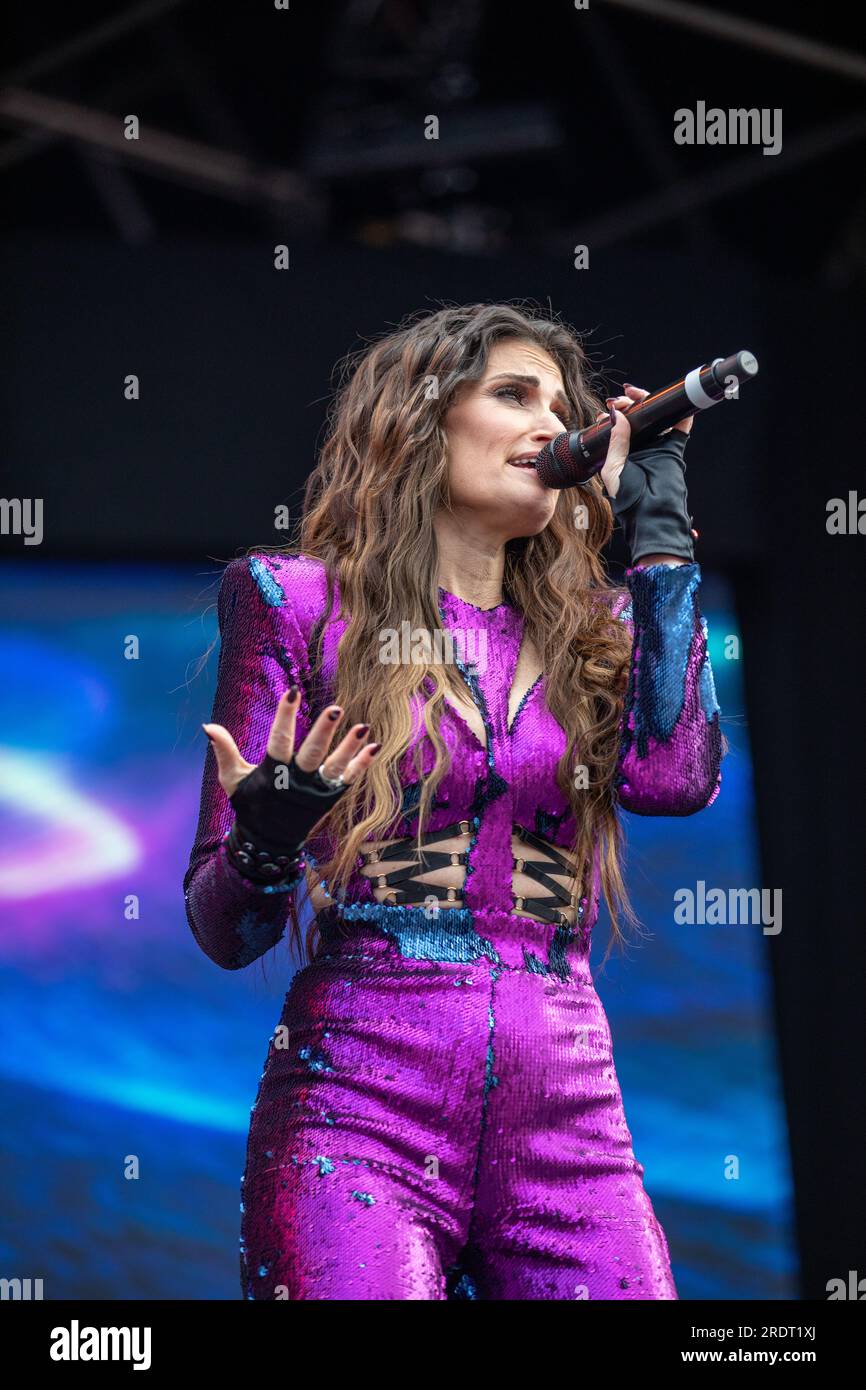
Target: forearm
651 502
662 560
235 920
670 753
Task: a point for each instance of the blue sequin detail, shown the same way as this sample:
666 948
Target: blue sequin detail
524 701
463 1288
471 679
489 1079
664 606
709 703
270 590
411 799
547 823
447 935
257 936
558 959
366 1197
316 1059
533 964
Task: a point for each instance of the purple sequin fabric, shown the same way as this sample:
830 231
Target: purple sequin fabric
439 1115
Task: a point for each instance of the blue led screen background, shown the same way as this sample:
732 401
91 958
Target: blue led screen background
121 1039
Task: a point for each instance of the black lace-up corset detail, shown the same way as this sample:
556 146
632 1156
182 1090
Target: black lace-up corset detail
440 859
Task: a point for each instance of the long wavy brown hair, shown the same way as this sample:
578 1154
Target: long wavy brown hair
368 511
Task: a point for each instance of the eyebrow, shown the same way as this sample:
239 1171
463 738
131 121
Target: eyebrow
530 381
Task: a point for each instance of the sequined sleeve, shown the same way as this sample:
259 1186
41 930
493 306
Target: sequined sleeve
262 653
670 755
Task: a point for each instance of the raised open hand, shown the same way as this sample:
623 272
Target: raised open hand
280 799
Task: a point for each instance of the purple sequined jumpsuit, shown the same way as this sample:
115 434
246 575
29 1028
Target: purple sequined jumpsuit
439 1115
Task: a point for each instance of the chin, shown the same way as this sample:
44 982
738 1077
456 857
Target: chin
530 521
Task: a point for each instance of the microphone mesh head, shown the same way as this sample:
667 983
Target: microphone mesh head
559 464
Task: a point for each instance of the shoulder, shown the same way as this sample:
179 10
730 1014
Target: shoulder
296 584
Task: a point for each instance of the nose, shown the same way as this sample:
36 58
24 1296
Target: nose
545 433
553 427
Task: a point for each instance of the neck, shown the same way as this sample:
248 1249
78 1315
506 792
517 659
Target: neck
471 567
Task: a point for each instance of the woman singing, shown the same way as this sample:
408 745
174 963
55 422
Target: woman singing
439 1115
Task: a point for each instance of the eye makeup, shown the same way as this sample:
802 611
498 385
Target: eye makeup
517 390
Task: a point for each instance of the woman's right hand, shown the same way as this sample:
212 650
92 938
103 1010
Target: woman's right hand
263 802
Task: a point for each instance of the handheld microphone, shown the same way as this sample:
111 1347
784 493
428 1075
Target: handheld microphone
576 456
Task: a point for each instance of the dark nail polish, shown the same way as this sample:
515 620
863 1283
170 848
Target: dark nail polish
362 730
612 416
334 714
292 693
373 747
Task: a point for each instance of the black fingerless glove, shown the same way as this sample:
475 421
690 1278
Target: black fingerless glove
272 822
652 502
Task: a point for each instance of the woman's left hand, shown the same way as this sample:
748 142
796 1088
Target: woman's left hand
620 439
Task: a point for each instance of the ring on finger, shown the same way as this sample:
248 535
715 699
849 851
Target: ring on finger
332 783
